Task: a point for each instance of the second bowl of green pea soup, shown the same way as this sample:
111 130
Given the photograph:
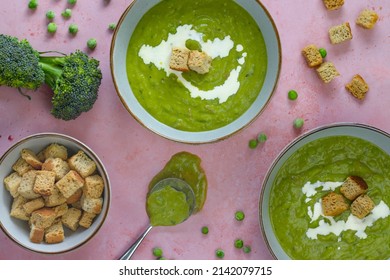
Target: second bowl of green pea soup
195 72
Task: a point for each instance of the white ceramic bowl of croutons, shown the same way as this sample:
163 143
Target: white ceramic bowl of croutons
81 204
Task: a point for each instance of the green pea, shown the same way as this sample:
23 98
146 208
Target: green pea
323 52
247 249
292 95
33 4
298 122
91 43
193 45
219 253
253 143
67 13
205 230
50 15
73 28
262 137
112 26
239 215
157 252
52 27
238 243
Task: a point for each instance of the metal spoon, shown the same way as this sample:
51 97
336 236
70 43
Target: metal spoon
178 185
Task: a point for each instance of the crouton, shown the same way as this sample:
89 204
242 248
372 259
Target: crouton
362 206
70 183
333 4
179 59
340 33
26 188
91 205
12 183
43 218
36 234
94 186
56 198
199 62
82 164
367 19
30 157
17 210
353 186
59 166
55 150
357 87
21 166
44 182
33 205
75 196
333 204
86 219
312 55
55 233
71 218
327 72
61 209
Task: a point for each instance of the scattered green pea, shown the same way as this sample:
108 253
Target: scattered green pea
247 249
72 2
238 243
239 215
51 27
73 28
262 137
50 15
67 13
33 4
205 230
161 258
112 26
298 122
292 95
219 253
253 143
91 43
323 52
157 252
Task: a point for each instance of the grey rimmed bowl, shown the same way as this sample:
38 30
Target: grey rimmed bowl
365 132
120 41
18 230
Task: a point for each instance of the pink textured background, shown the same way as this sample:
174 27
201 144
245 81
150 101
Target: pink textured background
133 155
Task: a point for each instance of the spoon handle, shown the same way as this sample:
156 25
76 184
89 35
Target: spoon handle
127 255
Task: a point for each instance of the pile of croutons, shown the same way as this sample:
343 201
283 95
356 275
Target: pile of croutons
52 190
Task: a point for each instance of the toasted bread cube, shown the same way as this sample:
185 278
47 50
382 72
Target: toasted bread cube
59 166
71 218
357 87
56 151
327 72
367 19
333 4
91 205
82 164
70 183
44 182
340 33
26 188
86 219
199 62
76 196
17 210
12 183
61 209
312 55
353 186
362 206
36 234
21 166
179 59
43 218
56 198
333 204
33 205
55 233
31 158
94 186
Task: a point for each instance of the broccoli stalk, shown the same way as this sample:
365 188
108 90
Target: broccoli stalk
75 80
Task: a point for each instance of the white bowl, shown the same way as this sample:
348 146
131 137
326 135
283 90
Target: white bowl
371 134
18 230
120 41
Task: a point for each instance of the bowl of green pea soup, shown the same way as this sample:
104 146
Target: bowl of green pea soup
195 71
317 172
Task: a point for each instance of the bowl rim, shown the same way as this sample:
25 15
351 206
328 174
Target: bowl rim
186 140
107 188
287 147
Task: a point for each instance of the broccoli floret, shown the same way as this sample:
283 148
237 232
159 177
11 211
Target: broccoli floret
75 80
19 66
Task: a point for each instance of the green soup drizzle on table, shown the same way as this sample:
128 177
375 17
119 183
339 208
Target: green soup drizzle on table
311 172
187 100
